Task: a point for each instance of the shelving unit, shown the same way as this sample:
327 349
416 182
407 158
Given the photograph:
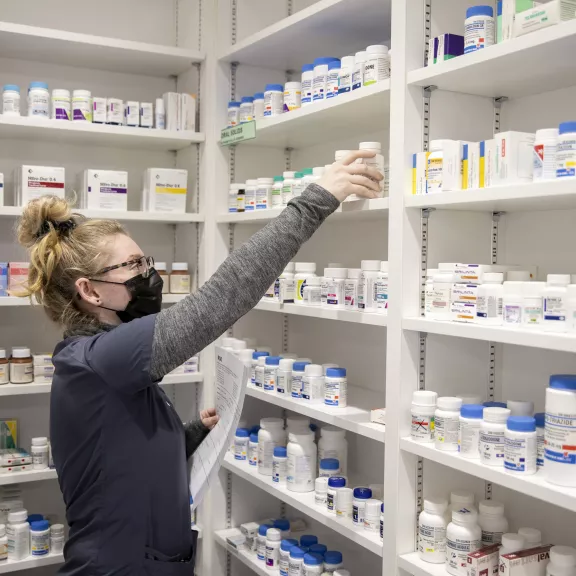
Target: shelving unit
25 477
10 566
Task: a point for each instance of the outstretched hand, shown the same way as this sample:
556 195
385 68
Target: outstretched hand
209 418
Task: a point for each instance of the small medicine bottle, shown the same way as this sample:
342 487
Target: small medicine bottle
11 100
284 376
18 532
334 484
258 105
279 464
273 540
533 304
253 450
562 561
336 388
432 531
39 452
469 432
241 444
246 113
422 415
463 536
361 496
4 367
321 491
296 560
447 423
313 565
161 269
511 543
21 366
492 431
332 561
57 538
312 291
540 446
233 114
284 555
520 445
40 538
344 498
179 278
271 364
555 297
372 515
351 289
533 536
261 541
255 358
489 299
492 522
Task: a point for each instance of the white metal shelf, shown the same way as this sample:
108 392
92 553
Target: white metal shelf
507 69
367 318
414 565
247 558
97 52
15 301
356 210
327 28
536 196
10 566
518 337
304 502
352 113
30 476
354 418
60 131
183 378
534 485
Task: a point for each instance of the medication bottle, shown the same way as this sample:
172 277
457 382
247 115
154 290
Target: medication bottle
288 187
253 450
39 453
335 295
492 522
545 145
57 538
292 96
38 100
304 270
372 515
358 70
555 297
520 445
566 151
277 186
3 543
132 113
246 112
447 423
468 435
312 292
255 359
334 484
351 289
146 113
260 372
233 114
11 100
270 435
313 383
296 561
329 467
320 77
432 531
533 304
492 432
4 367
273 100
61 105
299 185
40 538
366 285
532 536
21 366
270 368
284 555
264 193
540 446
377 65
307 84
279 465
562 561
180 278
512 304
284 377
332 79
478 28
82 106
440 301
325 281
434 167
463 535
159 114
241 444
313 565
332 561
361 496
336 388
161 269
18 532
258 105
321 491
429 291
422 414
489 299
297 376
250 195
302 462
283 524
344 503
273 539
511 543
382 289
240 197
261 541
377 162
345 74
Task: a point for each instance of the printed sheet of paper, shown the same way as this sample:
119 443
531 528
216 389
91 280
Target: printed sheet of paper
231 380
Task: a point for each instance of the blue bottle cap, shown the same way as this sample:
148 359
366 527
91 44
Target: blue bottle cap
313 427
472 410
319 549
254 437
492 404
299 366
38 85
563 381
329 464
363 493
297 552
479 11
334 65
308 68
333 557
233 104
254 429
35 518
264 528
256 355
248 99
274 88
273 360
242 433
280 452
288 544
40 525
12 87
382 507
308 540
539 417
336 372
282 523
259 96
336 482
521 423
313 559
324 60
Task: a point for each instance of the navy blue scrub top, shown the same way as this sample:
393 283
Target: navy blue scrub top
119 449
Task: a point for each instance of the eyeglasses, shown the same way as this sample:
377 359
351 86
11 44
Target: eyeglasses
143 265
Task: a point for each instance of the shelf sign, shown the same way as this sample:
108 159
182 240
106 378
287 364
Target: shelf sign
238 133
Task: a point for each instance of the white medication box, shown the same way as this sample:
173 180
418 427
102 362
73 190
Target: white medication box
35 181
488 162
514 157
543 14
419 161
471 165
530 562
470 273
165 190
99 110
464 293
378 416
105 190
483 562
463 311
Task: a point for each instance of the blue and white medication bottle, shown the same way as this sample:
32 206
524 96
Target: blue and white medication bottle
336 388
478 28
241 440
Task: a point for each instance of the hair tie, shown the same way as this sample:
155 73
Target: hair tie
63 228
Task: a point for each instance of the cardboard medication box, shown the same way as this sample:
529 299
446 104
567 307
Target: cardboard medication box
419 161
18 275
165 190
543 15
530 562
105 190
35 181
483 562
3 278
464 293
514 158
463 311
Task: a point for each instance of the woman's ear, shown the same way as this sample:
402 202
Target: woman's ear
87 292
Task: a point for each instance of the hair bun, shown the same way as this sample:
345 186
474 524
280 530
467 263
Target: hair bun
40 215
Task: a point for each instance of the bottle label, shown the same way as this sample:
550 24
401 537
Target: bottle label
512 314
296 386
40 544
489 537
253 455
332 84
282 382
376 69
489 307
261 198
382 294
434 175
300 285
306 91
478 34
560 437
540 448
431 538
295 568
344 81
330 501
422 427
350 291
566 157
520 454
300 471
358 76
554 309
336 393
319 86
491 446
284 564
446 430
279 470
457 551
270 379
240 450
468 437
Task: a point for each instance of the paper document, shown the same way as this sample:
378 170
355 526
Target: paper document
231 379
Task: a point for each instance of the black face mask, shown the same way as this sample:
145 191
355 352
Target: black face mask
146 296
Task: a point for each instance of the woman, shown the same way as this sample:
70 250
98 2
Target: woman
118 445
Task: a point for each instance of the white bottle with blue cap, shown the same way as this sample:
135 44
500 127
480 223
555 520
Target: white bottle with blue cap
273 100
478 28
336 388
11 100
38 100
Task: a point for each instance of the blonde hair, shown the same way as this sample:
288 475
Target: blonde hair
63 247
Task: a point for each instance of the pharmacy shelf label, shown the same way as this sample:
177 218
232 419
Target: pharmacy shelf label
238 134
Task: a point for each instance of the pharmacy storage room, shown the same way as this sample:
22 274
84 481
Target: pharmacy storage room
288 288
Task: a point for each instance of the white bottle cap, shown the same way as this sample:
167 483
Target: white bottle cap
274 534
424 398
496 414
518 275
435 145
21 352
372 507
376 146
520 407
313 370
160 266
252 182
377 49
354 274
227 342
464 515
289 174
332 432
292 86
513 542
321 484
347 62
513 287
443 278
289 267
545 133
432 272
493 278
271 423
462 497
41 441
344 497
564 556
286 364
301 436
373 265
180 266
449 403
533 289
238 345
314 281
57 529
360 56
340 273
246 355
305 267
328 272
17 516
265 180
558 279
435 505
491 508
531 535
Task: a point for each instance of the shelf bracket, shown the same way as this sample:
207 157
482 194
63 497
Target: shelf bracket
427 28
426 95
425 215
288 158
497 111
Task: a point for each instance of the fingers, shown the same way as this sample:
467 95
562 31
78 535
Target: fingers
364 192
353 156
210 422
365 170
360 180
